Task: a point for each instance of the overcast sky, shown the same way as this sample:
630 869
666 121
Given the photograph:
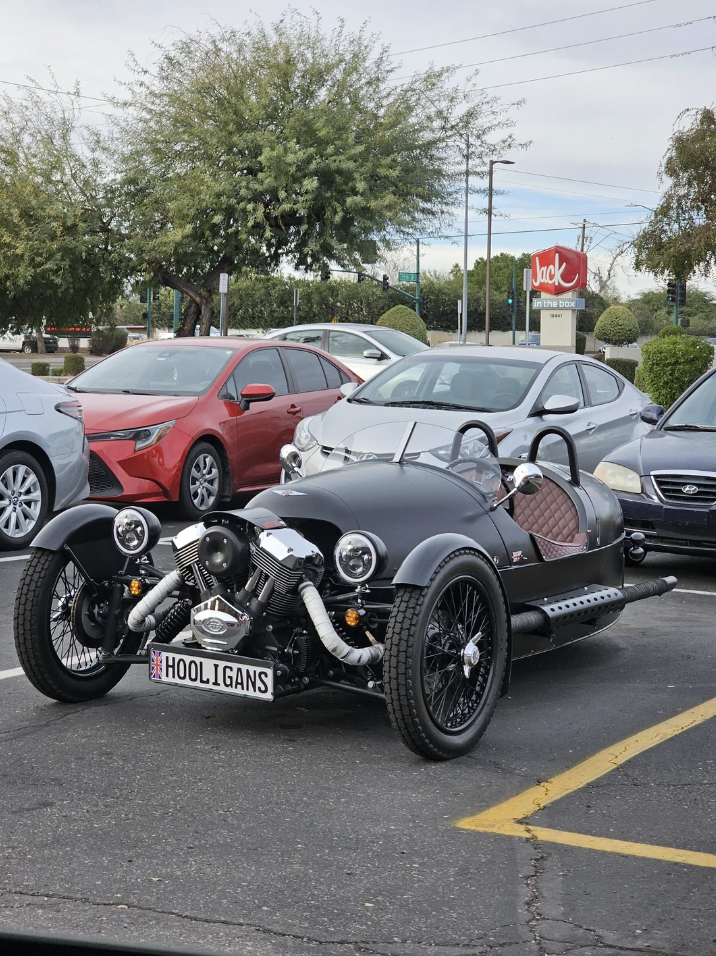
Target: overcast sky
608 127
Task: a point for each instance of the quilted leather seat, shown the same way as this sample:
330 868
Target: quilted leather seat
552 519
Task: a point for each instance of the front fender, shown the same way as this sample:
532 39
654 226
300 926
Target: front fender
418 568
87 530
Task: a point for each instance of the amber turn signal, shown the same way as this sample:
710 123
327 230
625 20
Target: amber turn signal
352 617
135 587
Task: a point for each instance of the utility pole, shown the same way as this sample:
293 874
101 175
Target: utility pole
514 302
417 277
149 313
527 286
224 313
464 251
176 310
296 296
584 227
491 167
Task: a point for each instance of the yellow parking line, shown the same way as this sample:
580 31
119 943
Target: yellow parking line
505 817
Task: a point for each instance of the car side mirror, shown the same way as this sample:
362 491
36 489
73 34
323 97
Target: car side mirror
558 405
650 414
527 480
347 388
291 461
255 393
373 354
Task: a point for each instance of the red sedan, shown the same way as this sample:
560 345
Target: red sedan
180 420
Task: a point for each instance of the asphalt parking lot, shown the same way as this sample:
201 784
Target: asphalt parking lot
172 817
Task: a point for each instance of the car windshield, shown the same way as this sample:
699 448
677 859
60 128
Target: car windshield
475 383
398 342
698 410
156 370
466 455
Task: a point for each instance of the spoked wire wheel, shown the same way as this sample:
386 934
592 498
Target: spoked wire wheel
457 654
59 624
446 652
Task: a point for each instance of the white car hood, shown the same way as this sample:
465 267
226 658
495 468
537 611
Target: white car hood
345 418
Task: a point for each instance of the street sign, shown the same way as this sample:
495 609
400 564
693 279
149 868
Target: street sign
526 279
223 283
407 277
557 304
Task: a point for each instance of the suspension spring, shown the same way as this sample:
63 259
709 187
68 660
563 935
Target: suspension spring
174 623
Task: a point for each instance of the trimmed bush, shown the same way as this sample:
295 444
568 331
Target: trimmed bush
106 341
670 330
617 325
57 370
403 319
625 367
40 368
581 343
639 378
74 343
74 364
671 364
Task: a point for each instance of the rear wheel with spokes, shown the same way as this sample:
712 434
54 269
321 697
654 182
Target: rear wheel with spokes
59 624
446 652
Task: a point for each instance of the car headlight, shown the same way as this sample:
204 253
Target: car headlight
135 531
618 477
359 556
142 437
303 438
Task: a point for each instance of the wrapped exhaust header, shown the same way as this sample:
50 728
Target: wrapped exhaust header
333 642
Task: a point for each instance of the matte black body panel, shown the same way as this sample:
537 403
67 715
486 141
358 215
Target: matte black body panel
418 567
87 529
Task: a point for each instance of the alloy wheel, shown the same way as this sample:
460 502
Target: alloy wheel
20 500
204 482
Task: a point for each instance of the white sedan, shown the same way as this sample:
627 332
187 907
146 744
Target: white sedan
514 391
365 349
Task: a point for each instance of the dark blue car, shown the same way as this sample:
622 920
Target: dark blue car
666 480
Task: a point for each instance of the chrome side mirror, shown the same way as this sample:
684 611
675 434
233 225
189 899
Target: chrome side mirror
527 480
291 461
373 354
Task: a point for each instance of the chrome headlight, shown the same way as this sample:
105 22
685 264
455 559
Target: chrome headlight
135 531
618 477
142 437
359 556
303 438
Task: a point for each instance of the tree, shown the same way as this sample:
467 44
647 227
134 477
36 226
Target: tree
616 325
59 259
680 237
270 144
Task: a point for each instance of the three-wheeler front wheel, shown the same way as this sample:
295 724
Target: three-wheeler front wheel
59 623
445 657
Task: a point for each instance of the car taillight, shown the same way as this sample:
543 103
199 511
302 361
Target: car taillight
73 409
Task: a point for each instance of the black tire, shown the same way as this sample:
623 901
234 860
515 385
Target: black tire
27 348
193 500
21 473
46 646
412 674
633 562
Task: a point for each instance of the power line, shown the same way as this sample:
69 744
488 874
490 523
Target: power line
532 26
567 192
571 46
519 232
588 182
566 215
597 69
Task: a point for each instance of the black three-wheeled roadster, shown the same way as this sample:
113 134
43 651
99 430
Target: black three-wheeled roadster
418 570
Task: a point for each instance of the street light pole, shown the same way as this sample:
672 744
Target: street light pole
493 162
464 251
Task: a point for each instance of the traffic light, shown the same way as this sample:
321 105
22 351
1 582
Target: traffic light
386 283
361 277
671 291
155 295
682 294
182 296
144 316
423 302
143 295
685 323
325 274
510 298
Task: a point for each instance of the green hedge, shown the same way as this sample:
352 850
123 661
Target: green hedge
581 343
616 325
56 371
625 367
671 364
106 341
40 368
74 364
670 330
403 319
639 378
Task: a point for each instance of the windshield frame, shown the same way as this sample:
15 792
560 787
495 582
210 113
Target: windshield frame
702 382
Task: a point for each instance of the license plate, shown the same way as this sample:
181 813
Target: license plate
202 670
